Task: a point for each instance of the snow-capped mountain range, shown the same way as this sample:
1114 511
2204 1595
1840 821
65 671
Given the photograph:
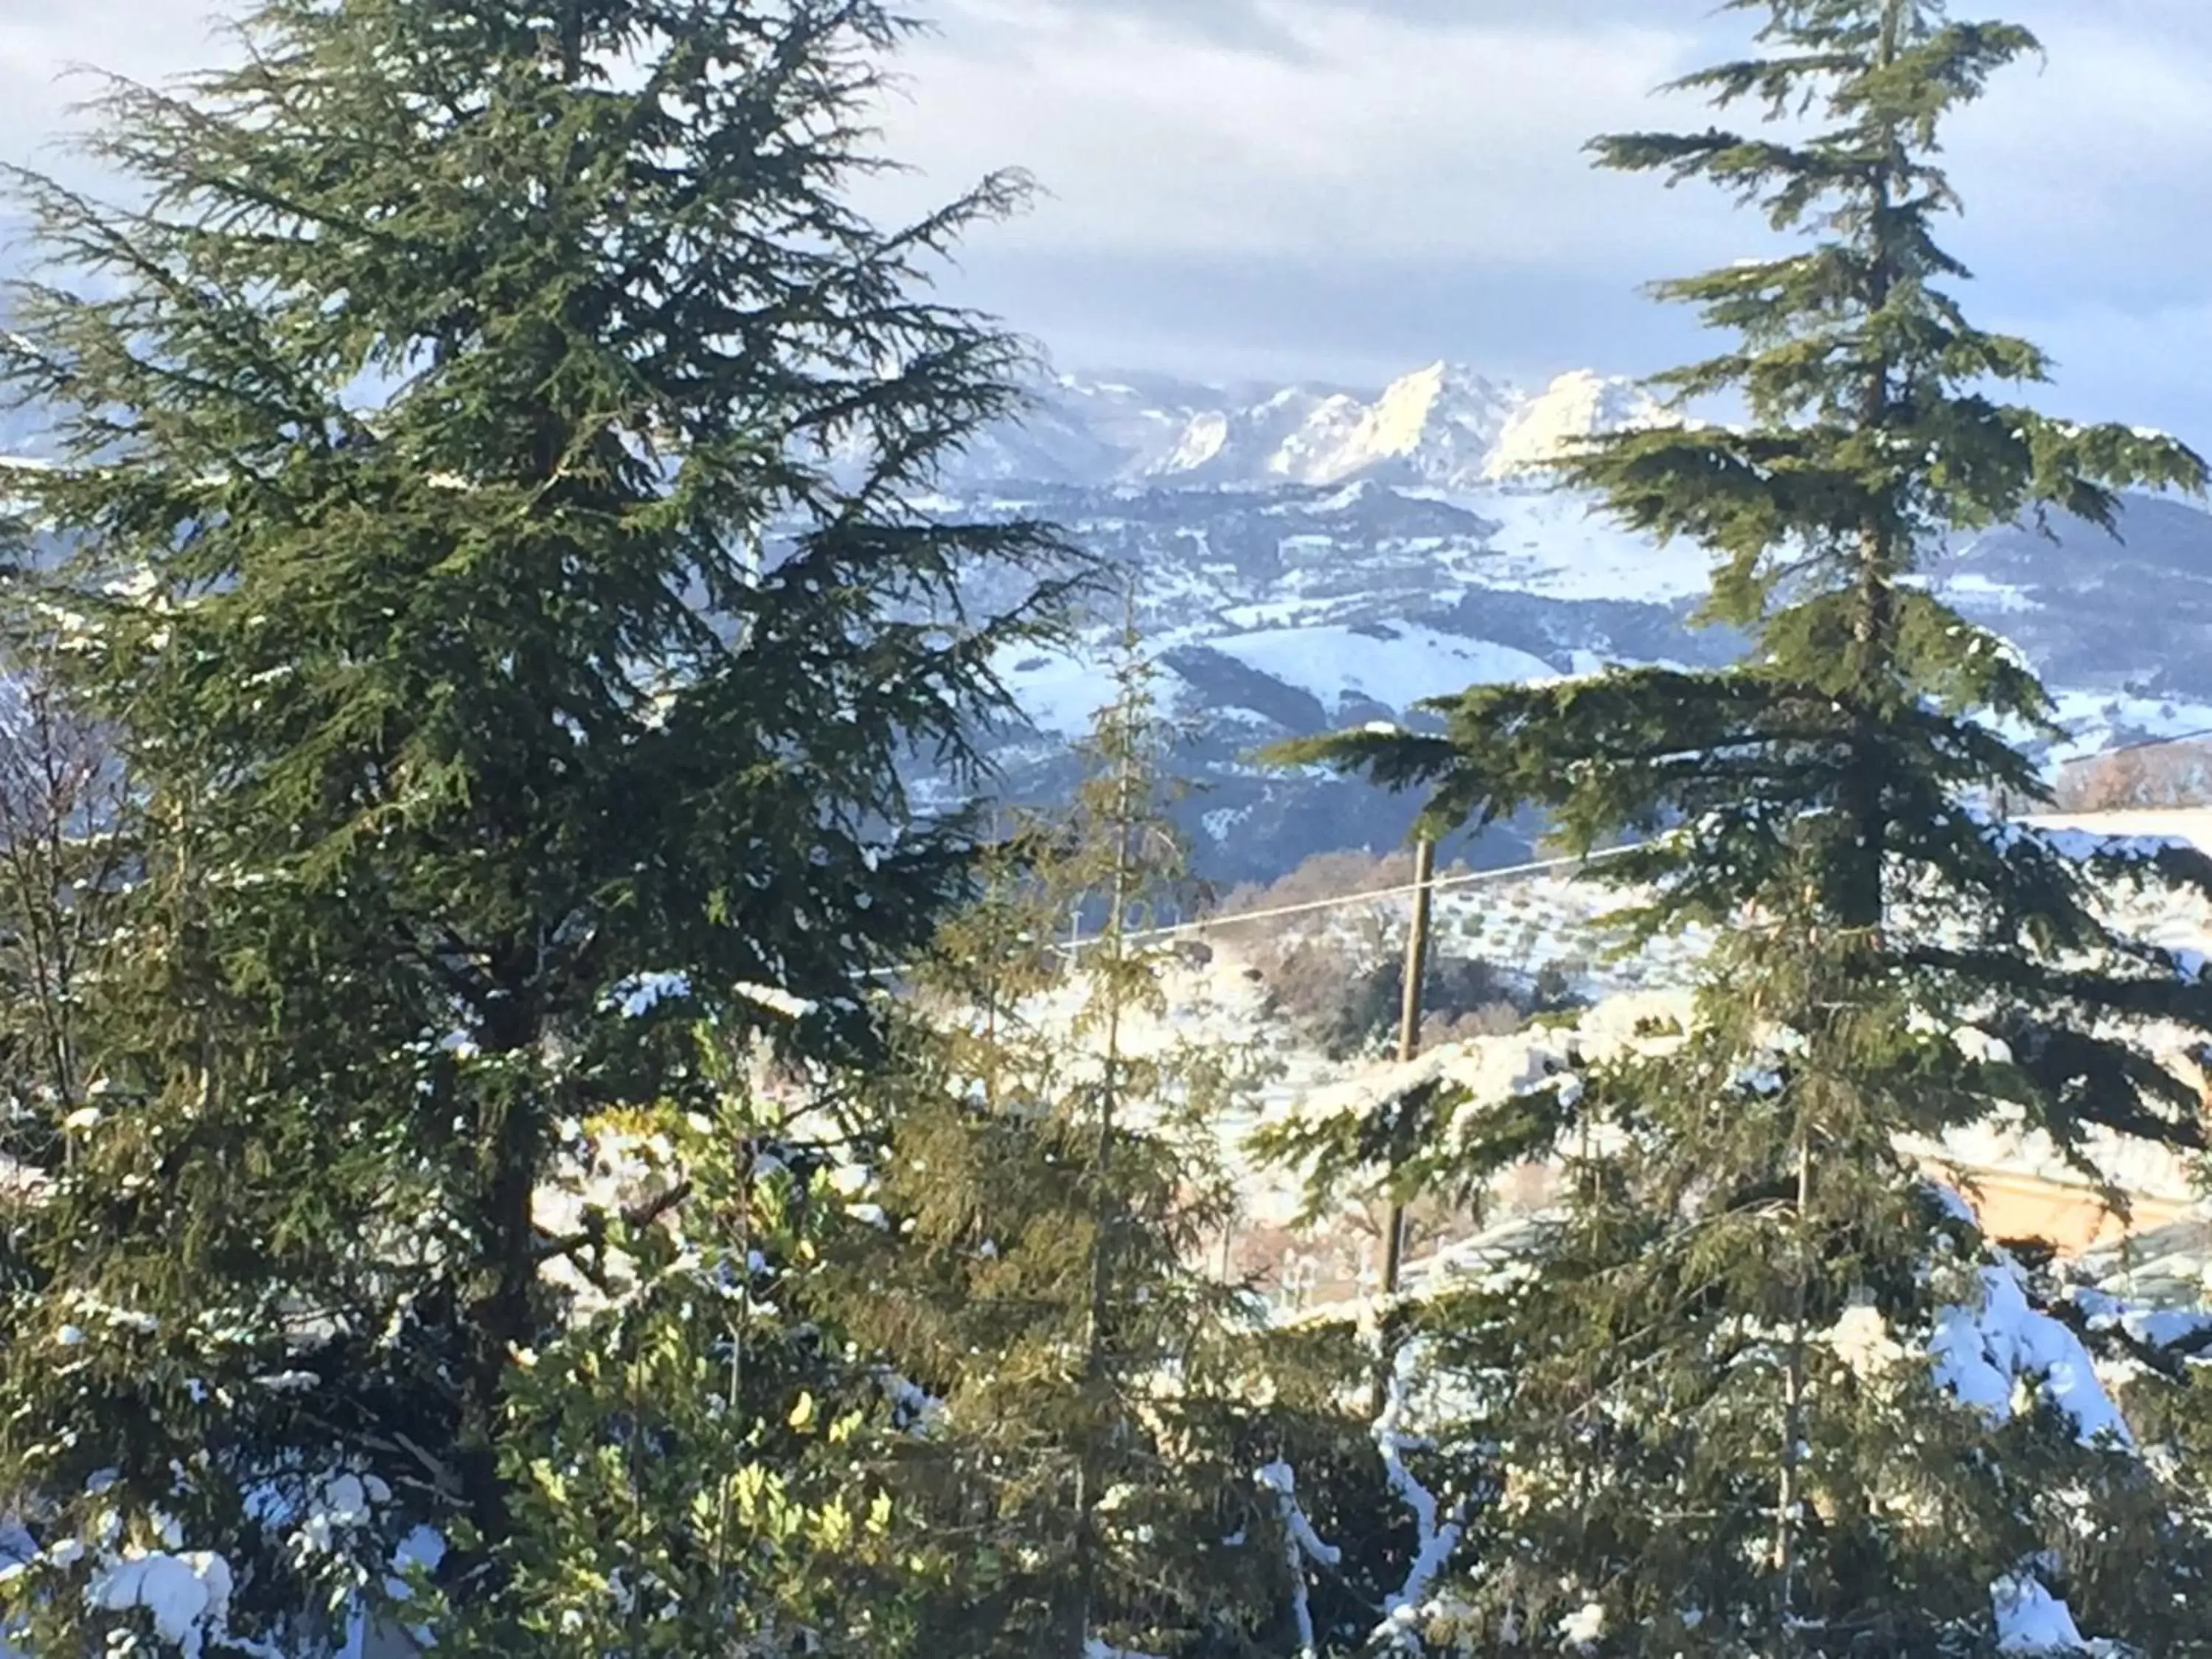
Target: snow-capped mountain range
1305 556
1445 427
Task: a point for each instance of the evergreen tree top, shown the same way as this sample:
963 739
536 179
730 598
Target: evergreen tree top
1873 401
1875 429
492 446
1687 1460
1854 769
498 400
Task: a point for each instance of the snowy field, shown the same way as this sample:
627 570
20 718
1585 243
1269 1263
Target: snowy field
1395 663
1553 543
1541 921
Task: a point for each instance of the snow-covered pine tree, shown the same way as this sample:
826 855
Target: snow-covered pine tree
486 449
1120 1455
1052 1185
1710 1431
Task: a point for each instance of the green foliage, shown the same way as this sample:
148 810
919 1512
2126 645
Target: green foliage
1752 1248
486 455
66 859
1051 1167
683 1448
1685 1466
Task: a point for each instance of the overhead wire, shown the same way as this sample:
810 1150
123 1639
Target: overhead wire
1222 921
1346 900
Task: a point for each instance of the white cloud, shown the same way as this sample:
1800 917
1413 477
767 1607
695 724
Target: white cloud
1400 138
1356 184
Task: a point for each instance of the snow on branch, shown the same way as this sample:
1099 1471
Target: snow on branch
640 993
1437 1534
2151 1327
1437 1538
187 1597
1094 1648
1992 1356
2030 1619
1302 1546
2007 836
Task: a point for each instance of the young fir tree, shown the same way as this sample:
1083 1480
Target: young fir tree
1054 1192
65 858
1707 1437
485 459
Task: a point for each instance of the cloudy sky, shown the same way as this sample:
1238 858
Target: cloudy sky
1352 187
1345 189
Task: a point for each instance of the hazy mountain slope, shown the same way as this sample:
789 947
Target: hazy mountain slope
1303 558
2095 611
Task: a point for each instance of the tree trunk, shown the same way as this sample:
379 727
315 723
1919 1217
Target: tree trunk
501 1318
1097 1426
1409 1046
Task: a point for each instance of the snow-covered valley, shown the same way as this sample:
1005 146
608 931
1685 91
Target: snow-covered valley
1549 924
1298 558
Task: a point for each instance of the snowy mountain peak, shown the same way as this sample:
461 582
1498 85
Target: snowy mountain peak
1444 426
1578 405
1202 441
1439 423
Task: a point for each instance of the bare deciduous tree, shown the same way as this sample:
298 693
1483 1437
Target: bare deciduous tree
65 853
2146 777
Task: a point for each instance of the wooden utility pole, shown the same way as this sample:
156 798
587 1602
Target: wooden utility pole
1090 1474
1409 1045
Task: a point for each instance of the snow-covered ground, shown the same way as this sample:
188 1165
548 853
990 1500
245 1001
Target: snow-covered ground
1554 543
2098 720
1549 921
2192 824
1396 664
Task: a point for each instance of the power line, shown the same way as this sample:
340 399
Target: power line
1346 900
2142 743
1339 901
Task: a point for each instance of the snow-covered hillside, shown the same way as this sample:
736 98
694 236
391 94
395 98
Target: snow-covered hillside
1306 556
1550 923
1446 426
